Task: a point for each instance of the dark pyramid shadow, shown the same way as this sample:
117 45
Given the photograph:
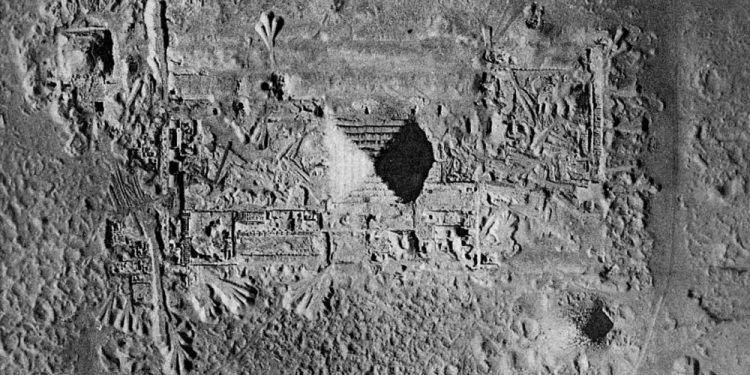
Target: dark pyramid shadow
405 161
597 325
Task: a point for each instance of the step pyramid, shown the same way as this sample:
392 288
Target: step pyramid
401 154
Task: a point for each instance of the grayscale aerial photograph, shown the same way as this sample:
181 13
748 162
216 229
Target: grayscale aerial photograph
375 187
